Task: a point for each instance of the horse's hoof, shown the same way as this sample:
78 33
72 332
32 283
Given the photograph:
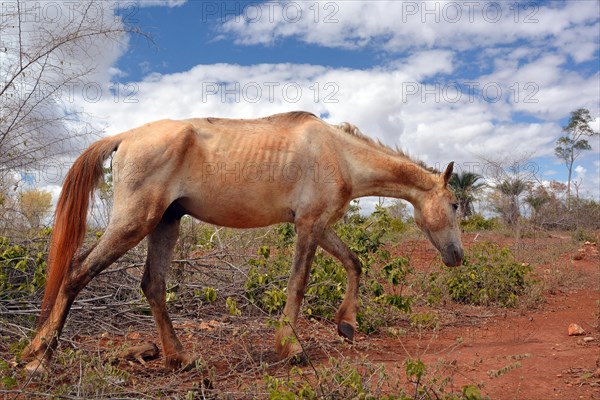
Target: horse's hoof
346 331
299 359
183 362
195 363
37 368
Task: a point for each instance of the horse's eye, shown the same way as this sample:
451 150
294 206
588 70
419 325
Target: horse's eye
455 206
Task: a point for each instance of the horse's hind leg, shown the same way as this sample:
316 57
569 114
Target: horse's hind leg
160 250
120 236
346 314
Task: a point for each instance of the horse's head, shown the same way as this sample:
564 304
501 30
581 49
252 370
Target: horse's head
435 214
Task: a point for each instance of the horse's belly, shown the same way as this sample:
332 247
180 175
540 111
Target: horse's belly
236 212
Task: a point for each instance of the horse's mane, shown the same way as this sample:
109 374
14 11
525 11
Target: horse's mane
354 131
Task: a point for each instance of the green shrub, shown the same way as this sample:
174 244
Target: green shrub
339 381
267 278
22 269
489 275
378 305
210 294
326 286
478 222
582 235
232 307
266 285
344 380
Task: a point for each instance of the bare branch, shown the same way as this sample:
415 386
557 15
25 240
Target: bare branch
42 62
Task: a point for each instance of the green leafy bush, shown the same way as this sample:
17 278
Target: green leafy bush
326 287
266 285
489 275
340 381
582 235
478 222
22 269
267 278
344 380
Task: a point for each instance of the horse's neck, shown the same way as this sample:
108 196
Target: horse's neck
377 172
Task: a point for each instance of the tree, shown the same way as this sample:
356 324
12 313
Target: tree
536 199
103 201
398 209
35 205
570 146
511 189
47 60
465 185
510 176
9 214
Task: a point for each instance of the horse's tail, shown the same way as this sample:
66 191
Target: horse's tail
70 217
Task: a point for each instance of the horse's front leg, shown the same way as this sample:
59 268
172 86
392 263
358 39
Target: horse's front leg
346 314
286 340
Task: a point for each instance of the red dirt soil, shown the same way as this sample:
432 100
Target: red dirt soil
540 360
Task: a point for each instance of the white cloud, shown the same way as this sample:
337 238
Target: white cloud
595 124
595 180
402 25
427 63
377 100
160 3
580 42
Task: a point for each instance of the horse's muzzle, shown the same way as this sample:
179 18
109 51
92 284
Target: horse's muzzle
453 255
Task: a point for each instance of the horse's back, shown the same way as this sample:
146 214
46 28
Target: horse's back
277 133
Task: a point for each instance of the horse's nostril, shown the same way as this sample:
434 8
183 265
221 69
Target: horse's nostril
458 254
454 254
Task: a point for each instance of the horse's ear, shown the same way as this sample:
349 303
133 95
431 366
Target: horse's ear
448 172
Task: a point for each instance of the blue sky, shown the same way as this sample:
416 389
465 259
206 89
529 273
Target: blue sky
189 35
467 81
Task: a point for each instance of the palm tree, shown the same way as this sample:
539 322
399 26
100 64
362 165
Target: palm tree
512 189
536 201
465 185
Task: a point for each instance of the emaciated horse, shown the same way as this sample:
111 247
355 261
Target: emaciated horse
290 167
